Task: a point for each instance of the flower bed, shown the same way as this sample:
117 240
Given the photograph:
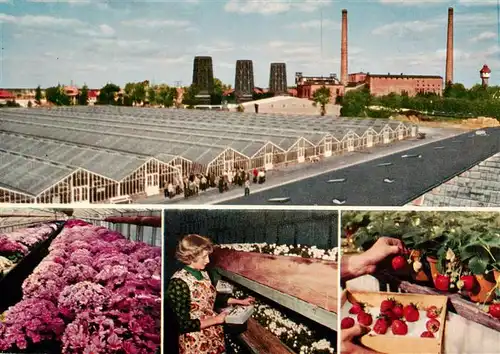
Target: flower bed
297 336
285 250
16 245
95 292
453 252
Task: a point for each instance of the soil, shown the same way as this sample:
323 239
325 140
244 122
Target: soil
465 124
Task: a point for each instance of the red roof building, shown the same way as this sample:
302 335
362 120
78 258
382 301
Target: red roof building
6 95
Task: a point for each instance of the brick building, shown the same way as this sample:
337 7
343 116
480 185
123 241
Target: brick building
355 79
381 85
307 85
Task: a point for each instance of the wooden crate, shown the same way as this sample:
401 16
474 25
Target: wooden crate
311 280
401 344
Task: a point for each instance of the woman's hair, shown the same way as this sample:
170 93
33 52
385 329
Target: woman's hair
191 247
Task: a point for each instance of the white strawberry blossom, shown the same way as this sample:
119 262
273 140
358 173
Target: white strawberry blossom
287 330
285 250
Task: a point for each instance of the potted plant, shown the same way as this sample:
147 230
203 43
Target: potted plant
480 254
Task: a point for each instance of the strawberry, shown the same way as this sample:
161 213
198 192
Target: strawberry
432 325
398 263
381 325
389 316
427 334
347 322
398 310
411 313
399 328
468 281
387 305
442 282
365 319
433 312
356 308
494 310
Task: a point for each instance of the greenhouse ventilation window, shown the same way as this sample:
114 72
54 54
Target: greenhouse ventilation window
411 156
337 180
439 148
385 164
388 180
279 200
339 201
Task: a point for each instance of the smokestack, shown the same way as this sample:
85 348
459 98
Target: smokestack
344 72
449 49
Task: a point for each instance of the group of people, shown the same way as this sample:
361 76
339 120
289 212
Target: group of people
192 185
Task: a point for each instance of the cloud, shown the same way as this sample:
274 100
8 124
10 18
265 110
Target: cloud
469 20
402 29
101 31
478 2
155 24
39 21
271 7
215 47
315 24
484 36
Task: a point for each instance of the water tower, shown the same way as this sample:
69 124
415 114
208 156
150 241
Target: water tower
485 73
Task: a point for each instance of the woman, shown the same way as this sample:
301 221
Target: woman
192 297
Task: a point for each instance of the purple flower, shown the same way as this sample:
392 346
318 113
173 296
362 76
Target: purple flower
30 320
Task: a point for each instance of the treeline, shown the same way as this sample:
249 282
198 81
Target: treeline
457 101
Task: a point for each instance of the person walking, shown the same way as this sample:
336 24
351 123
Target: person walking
247 187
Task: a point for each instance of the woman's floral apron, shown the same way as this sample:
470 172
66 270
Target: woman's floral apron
209 340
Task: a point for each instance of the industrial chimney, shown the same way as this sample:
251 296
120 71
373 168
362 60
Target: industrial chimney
449 49
343 50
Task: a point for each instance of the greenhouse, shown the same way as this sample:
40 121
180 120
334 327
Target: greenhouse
79 280
115 154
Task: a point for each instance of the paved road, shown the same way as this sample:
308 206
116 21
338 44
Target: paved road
364 183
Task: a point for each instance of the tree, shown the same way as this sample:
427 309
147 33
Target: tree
30 104
83 97
152 95
140 93
38 95
322 97
107 94
57 96
189 97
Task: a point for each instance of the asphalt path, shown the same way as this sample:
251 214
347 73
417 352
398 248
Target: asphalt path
424 168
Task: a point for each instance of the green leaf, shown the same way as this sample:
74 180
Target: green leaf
478 265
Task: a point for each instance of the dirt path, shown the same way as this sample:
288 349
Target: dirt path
464 124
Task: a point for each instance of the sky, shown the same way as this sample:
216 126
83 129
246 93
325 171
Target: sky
93 42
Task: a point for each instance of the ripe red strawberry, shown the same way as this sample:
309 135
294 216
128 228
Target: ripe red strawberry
399 328
411 313
398 263
389 316
356 308
387 305
381 325
432 325
494 310
469 282
347 322
433 312
365 319
442 282
427 334
397 310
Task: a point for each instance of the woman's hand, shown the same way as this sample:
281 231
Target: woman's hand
247 302
221 317
348 336
383 248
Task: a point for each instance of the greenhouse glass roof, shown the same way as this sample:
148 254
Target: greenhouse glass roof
114 141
